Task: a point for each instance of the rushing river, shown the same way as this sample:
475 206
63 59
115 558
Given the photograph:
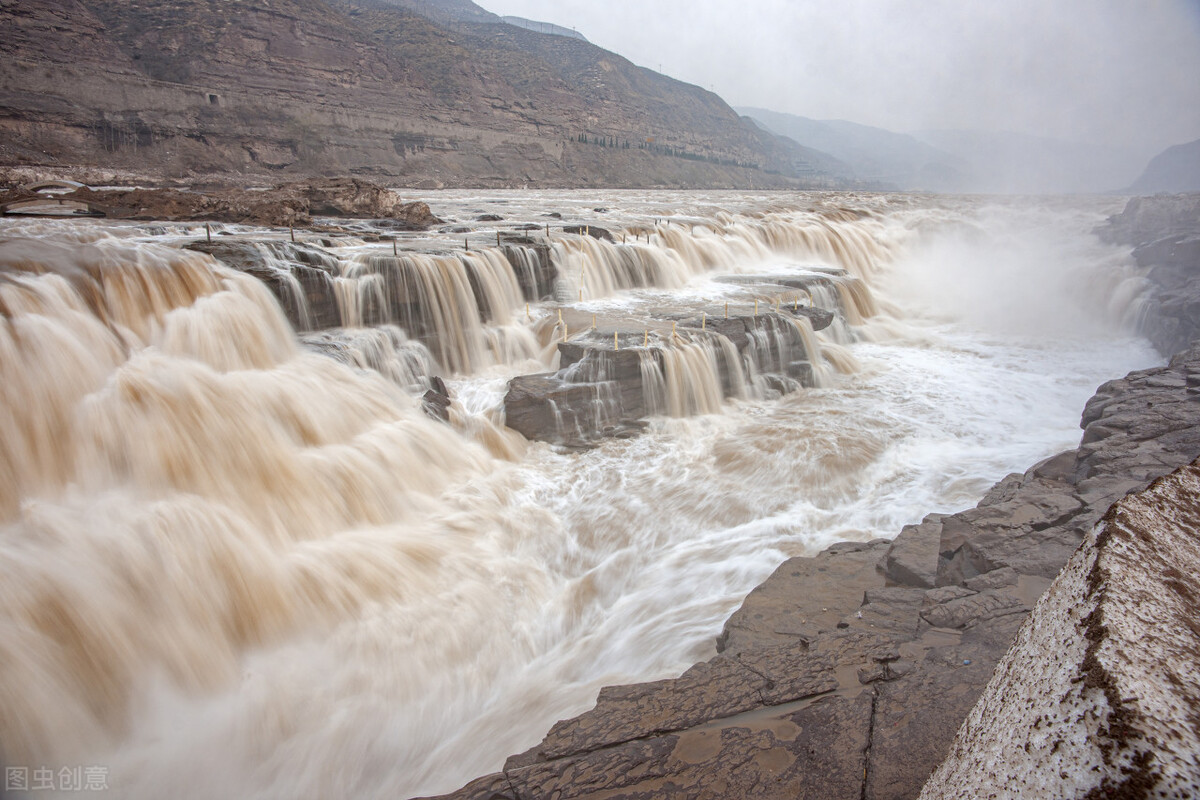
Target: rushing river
233 566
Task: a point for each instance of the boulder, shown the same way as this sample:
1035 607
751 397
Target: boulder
595 231
1091 699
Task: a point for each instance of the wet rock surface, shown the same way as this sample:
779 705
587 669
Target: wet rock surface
1164 231
300 276
605 388
848 674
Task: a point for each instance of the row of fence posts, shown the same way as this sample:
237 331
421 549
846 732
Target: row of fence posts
587 231
466 239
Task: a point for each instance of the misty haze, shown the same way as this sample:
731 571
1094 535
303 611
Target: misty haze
411 398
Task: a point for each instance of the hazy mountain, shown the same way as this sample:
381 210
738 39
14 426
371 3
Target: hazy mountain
416 92
871 155
1022 164
1175 170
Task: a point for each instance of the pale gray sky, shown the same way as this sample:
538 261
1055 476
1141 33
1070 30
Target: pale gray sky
1123 72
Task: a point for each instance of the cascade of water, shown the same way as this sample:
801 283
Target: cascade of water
386 349
692 378
219 547
441 300
676 255
175 494
654 385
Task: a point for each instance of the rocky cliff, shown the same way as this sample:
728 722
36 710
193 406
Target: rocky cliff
429 94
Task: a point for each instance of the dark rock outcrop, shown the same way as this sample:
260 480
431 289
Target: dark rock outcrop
436 401
299 275
600 391
595 231
1164 231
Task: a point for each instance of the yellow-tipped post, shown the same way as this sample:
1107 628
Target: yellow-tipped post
616 342
581 295
593 322
726 309
703 320
756 307
564 333
560 315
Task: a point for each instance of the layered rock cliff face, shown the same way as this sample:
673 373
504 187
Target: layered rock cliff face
199 88
1164 231
847 675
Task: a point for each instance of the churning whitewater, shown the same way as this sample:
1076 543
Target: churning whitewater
240 559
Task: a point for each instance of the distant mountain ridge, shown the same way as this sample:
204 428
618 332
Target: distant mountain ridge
1016 163
958 160
414 92
871 155
1175 170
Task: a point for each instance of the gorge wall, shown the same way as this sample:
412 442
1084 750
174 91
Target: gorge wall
430 95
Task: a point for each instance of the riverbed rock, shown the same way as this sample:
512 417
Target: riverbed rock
287 204
595 231
299 275
1164 231
600 391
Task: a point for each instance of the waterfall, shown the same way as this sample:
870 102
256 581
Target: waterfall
692 378
171 466
230 534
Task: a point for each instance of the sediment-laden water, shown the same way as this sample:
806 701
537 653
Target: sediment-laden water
236 560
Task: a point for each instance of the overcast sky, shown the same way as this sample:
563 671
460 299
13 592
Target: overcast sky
1123 72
